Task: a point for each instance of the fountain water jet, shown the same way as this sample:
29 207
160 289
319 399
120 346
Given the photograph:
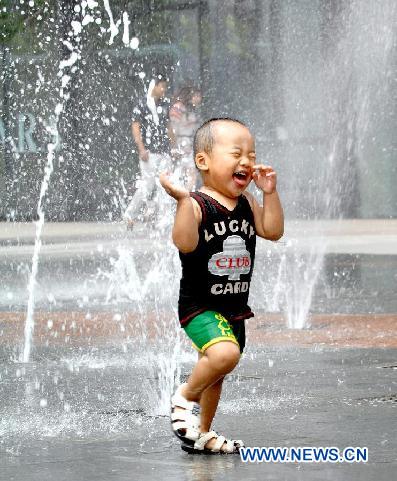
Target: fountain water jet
29 324
334 106
75 53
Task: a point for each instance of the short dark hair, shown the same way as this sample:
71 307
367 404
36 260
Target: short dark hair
186 93
204 136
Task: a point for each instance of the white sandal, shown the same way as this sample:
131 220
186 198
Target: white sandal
185 424
232 446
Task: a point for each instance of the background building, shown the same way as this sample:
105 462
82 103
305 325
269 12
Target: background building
314 79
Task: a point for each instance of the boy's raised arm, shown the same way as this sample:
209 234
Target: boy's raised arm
269 219
185 231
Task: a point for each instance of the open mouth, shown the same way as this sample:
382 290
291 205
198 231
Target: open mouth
241 177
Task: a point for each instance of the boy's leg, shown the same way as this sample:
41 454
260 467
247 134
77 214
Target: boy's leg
210 397
205 383
209 404
215 338
217 361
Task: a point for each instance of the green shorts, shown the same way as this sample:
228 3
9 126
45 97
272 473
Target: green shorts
210 327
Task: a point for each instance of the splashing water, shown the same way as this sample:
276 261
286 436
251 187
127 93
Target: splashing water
124 279
154 294
64 96
29 324
357 64
152 291
302 267
298 264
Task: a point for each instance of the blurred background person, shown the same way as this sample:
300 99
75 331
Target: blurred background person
150 130
185 119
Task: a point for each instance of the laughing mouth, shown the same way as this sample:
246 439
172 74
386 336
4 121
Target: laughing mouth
241 175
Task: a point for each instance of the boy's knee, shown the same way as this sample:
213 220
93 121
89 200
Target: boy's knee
224 356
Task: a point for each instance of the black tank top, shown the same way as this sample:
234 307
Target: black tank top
217 274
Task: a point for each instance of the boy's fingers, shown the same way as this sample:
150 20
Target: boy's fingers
164 179
264 169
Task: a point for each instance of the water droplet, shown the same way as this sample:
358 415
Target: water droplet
134 44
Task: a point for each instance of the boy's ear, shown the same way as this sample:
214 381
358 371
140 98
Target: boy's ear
201 161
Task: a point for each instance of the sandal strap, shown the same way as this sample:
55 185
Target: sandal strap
222 444
230 447
187 419
185 416
203 439
181 424
178 400
190 433
218 444
238 442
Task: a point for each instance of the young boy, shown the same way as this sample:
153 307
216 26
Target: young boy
215 230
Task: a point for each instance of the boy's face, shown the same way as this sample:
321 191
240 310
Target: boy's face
232 158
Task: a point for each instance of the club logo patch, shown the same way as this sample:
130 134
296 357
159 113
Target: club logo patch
233 261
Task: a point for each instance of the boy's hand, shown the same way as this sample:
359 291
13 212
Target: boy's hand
265 178
175 191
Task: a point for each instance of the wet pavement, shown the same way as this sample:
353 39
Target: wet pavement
93 401
98 414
